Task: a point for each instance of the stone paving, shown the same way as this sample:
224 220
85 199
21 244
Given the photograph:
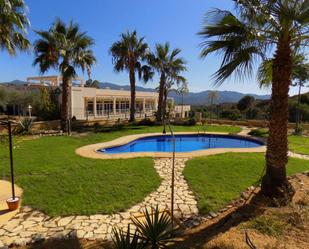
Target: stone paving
30 225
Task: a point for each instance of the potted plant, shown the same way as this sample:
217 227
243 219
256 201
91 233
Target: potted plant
13 203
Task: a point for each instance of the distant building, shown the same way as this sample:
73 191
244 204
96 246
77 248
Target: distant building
182 111
92 103
87 103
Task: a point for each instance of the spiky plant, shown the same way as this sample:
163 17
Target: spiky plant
126 240
155 228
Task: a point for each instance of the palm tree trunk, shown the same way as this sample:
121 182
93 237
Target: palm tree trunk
164 104
133 93
65 103
275 183
161 96
297 125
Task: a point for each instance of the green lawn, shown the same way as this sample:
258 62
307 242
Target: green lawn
218 179
299 144
58 182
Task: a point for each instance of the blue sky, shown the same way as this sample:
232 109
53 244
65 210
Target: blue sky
176 21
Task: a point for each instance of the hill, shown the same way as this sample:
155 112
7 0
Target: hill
192 98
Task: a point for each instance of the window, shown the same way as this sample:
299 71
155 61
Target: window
89 107
122 106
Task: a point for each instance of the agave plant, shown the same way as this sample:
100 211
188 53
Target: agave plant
155 229
24 127
126 240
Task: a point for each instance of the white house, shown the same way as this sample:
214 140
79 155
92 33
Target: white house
91 103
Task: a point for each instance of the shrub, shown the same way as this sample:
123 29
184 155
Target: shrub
153 230
232 114
24 127
184 122
147 122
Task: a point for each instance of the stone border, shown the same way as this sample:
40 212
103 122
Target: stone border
90 151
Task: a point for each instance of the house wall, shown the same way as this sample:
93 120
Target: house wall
81 95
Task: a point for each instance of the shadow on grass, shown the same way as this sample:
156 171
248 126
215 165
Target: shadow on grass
198 238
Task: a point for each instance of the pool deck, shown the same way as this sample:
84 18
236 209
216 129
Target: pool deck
90 151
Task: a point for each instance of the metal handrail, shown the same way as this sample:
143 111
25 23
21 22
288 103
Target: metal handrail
173 167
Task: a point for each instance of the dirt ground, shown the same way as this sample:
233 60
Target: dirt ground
266 227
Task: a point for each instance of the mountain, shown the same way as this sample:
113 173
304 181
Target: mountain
191 98
200 98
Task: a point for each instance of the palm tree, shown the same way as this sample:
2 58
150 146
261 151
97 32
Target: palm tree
168 64
212 97
182 90
13 25
128 54
66 48
244 38
170 82
300 75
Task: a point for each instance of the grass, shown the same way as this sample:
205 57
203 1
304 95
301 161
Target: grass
59 182
269 225
218 179
299 144
261 132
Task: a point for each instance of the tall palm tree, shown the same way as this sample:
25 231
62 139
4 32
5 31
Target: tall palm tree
257 27
13 26
168 64
65 48
128 54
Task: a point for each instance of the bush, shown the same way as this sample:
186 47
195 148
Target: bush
24 127
232 114
146 122
184 122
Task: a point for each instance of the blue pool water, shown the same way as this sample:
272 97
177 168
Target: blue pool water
184 143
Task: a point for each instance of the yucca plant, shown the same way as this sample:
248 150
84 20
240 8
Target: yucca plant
24 127
154 229
126 240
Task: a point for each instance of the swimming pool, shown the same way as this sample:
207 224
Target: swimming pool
184 143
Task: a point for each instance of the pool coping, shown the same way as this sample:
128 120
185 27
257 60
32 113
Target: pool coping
90 151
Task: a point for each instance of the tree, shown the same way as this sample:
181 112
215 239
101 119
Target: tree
13 26
182 90
300 75
92 83
170 82
3 97
128 54
212 97
167 63
65 48
245 102
243 39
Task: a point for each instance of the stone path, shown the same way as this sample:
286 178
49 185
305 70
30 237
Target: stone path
30 225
